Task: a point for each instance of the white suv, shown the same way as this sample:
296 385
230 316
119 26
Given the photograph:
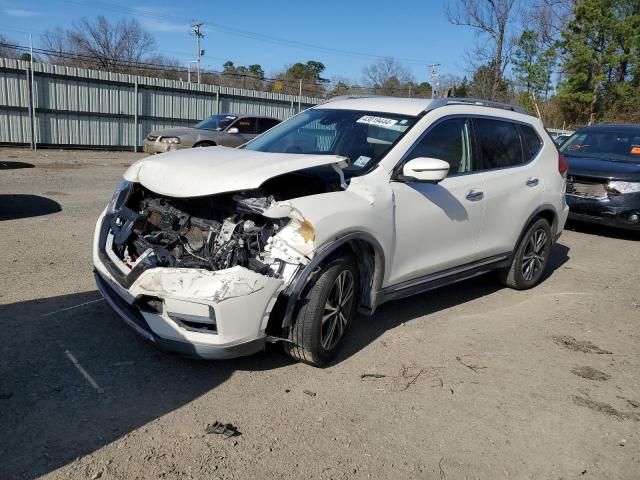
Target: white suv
215 251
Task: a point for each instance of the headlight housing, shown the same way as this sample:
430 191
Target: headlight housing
120 196
170 140
625 187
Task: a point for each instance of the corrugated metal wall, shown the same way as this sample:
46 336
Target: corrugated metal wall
79 107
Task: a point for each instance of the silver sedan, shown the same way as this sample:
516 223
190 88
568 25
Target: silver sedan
226 130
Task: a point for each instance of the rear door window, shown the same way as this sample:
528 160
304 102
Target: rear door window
499 143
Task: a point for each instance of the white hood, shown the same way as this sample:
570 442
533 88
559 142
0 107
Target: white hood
207 171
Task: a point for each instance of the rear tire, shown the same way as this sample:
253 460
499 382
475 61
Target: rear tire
327 308
531 258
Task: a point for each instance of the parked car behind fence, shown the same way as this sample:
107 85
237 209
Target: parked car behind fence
227 130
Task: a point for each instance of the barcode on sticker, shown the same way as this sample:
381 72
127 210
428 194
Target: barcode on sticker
378 121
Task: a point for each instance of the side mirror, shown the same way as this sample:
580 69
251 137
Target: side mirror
423 169
233 130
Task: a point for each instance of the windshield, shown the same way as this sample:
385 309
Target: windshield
607 145
216 122
363 137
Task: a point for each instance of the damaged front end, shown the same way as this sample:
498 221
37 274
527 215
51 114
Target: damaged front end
203 272
207 233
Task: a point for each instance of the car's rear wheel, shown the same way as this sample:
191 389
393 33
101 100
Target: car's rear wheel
531 258
327 308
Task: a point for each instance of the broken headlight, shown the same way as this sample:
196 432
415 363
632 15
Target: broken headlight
120 196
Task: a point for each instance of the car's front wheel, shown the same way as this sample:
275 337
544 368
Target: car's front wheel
327 308
530 259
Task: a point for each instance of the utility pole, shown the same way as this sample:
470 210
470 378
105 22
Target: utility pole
197 31
435 82
33 95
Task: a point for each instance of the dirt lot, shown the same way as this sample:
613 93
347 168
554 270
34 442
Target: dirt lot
471 381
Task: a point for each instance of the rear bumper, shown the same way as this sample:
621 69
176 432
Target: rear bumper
622 211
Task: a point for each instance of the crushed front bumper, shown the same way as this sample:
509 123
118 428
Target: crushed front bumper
621 211
199 313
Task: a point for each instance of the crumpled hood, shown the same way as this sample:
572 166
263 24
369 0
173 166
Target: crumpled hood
209 171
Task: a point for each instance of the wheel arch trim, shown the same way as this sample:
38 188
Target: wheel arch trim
545 207
295 288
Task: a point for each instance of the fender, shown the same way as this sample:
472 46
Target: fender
293 291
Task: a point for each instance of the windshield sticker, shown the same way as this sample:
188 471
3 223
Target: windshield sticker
377 121
361 161
229 117
635 150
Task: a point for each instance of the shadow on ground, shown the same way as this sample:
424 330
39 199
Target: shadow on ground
602 230
51 413
5 165
24 206
390 315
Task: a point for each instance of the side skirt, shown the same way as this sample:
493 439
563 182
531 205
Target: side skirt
445 277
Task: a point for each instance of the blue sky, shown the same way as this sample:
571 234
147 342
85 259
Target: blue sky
415 31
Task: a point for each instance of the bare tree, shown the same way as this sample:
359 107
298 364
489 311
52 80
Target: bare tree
115 47
387 76
492 18
548 18
449 82
56 43
6 51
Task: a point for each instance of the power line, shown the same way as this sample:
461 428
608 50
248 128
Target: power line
145 67
243 33
91 59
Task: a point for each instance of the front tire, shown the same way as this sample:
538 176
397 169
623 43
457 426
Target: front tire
327 308
530 259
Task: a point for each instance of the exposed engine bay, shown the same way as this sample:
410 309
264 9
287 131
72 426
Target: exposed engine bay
214 234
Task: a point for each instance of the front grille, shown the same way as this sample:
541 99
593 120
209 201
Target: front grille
152 138
586 189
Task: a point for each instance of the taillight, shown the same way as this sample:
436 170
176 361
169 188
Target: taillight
563 165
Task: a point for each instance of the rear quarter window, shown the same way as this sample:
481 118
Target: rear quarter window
531 142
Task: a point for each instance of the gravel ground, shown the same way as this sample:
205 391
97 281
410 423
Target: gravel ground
470 381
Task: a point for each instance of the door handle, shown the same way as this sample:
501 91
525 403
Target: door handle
474 195
532 182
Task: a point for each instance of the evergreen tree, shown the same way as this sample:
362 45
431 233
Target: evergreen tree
533 65
602 49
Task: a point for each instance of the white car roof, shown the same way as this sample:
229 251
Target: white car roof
401 106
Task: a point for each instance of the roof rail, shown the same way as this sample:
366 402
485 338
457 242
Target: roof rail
442 102
350 97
